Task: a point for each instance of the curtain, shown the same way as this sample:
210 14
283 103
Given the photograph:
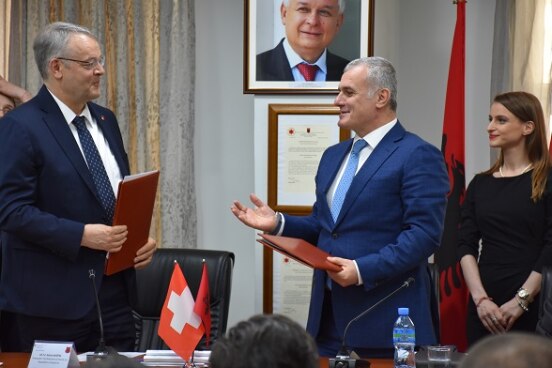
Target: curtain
522 48
5 6
149 47
500 71
531 50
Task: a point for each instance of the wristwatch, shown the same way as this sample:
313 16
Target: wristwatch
524 295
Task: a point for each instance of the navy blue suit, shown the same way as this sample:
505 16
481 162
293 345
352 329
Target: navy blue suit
47 195
273 65
390 223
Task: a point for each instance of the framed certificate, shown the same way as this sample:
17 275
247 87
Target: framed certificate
298 134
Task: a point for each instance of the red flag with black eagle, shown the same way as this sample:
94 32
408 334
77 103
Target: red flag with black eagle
203 303
453 289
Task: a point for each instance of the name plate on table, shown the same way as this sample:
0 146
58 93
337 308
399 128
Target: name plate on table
53 354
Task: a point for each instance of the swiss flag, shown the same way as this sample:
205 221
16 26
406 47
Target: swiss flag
180 327
203 301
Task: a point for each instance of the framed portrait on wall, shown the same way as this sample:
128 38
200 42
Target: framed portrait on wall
280 34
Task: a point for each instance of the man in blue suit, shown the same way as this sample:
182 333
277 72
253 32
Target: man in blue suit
55 222
310 26
381 231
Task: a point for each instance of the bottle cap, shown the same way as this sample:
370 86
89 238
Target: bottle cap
403 311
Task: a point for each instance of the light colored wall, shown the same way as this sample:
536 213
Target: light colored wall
231 128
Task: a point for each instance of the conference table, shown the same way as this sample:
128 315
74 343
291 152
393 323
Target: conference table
21 360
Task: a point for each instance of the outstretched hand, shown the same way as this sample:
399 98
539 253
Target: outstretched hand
261 217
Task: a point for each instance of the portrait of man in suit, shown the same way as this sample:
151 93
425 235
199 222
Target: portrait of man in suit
303 55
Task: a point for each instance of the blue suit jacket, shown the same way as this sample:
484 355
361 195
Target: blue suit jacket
390 223
47 195
273 65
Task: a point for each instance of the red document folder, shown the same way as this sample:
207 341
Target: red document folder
299 250
134 208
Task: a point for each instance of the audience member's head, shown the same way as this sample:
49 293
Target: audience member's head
267 341
510 350
311 25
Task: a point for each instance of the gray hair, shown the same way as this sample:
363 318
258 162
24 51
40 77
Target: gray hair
341 4
381 74
52 42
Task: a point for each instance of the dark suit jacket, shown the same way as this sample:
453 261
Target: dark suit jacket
273 65
47 195
390 223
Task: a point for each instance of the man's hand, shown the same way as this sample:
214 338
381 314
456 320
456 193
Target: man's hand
261 217
145 254
103 237
348 275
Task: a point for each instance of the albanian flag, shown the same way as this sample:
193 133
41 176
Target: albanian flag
453 289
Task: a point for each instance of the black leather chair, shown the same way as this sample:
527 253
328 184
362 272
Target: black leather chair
544 325
153 282
433 270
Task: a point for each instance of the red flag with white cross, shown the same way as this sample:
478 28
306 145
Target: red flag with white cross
180 326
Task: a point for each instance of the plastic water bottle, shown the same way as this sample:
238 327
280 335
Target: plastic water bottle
404 340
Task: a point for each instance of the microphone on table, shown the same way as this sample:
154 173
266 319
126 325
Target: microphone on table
102 351
350 359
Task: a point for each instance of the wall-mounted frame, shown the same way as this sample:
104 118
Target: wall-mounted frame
263 31
298 134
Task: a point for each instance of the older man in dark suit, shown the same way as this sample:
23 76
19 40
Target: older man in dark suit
302 55
62 159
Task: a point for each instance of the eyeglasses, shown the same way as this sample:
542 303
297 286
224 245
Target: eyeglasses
86 64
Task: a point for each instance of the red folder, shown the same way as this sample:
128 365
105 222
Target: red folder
134 208
299 250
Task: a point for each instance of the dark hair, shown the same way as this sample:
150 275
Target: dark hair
526 107
267 341
510 350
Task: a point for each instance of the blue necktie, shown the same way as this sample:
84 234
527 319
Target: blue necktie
96 167
347 178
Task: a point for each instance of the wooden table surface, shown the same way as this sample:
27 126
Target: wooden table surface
21 360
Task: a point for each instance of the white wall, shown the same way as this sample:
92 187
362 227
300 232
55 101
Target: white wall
231 128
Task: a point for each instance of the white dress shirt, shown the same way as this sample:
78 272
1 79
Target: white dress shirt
108 159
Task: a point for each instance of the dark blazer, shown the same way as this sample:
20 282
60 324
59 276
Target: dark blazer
273 65
390 223
47 195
